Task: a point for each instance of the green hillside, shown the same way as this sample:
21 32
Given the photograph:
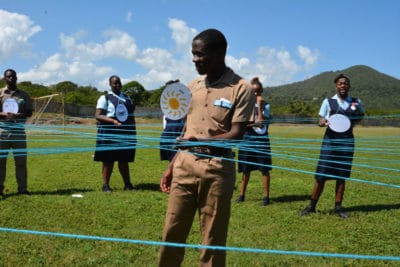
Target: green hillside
380 93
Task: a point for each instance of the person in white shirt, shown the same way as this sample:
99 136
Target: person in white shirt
116 135
337 149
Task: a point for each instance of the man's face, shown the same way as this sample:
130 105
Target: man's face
342 87
202 59
10 78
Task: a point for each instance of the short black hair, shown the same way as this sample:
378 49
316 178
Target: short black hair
213 39
341 75
112 77
7 70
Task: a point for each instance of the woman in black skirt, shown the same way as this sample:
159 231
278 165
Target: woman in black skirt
255 150
116 134
337 148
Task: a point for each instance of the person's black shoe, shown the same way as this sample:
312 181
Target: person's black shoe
240 199
341 213
307 211
24 192
129 187
265 201
106 188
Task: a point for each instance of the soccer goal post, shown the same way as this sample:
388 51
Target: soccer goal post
48 109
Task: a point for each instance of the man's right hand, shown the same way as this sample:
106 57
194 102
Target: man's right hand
165 182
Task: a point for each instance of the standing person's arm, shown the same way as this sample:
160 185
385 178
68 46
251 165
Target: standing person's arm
259 108
101 116
323 113
27 107
101 111
166 178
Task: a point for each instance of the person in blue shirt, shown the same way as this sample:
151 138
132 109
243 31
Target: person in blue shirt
337 149
116 134
255 150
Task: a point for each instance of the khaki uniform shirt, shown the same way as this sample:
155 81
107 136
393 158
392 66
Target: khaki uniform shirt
214 107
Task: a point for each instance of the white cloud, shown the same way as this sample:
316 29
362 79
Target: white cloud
118 44
309 57
91 63
181 34
274 66
57 69
128 17
16 30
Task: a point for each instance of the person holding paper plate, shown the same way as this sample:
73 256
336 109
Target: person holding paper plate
116 134
340 113
15 107
255 151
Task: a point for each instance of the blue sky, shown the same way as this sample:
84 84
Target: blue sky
283 41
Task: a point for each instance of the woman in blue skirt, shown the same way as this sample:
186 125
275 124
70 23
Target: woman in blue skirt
337 148
116 133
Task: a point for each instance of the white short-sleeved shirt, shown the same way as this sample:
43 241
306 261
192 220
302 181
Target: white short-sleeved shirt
102 103
325 108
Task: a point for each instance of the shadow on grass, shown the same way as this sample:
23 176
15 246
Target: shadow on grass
291 198
373 207
68 191
148 187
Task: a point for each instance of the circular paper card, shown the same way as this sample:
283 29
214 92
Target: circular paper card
121 113
260 130
10 106
339 123
174 101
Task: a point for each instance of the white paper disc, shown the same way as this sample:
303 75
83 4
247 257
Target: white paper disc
339 123
175 100
10 106
260 130
121 113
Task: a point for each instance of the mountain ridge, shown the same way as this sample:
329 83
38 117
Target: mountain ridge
379 92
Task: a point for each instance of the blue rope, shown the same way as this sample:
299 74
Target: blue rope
237 249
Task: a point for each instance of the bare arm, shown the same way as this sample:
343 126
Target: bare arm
101 116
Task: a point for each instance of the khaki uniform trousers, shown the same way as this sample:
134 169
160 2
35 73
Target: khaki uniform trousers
15 140
206 185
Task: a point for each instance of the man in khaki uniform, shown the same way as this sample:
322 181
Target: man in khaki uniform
202 175
15 107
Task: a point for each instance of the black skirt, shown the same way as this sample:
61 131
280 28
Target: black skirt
336 156
115 143
255 153
172 130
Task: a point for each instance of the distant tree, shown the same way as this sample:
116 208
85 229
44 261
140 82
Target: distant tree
137 93
154 99
300 108
35 90
65 87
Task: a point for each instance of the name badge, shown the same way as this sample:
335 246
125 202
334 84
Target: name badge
223 103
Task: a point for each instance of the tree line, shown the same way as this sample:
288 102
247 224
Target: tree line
88 95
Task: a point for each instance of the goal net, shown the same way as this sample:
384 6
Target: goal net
48 109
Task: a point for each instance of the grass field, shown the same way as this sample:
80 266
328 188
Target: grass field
61 165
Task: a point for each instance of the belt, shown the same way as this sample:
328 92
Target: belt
211 151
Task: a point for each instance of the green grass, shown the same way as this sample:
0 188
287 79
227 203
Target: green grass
56 173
